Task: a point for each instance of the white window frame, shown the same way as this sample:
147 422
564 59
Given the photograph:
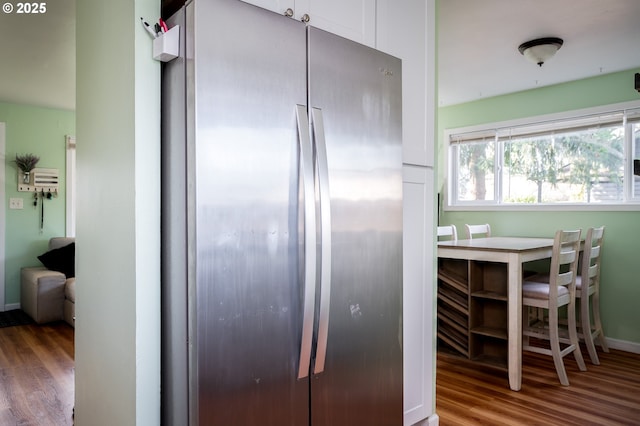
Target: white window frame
495 129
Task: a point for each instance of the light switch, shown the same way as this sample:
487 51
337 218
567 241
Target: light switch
16 203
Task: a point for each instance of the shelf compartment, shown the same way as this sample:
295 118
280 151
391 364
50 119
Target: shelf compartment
489 277
489 351
452 281
488 313
451 348
453 305
453 317
454 299
492 361
454 272
454 339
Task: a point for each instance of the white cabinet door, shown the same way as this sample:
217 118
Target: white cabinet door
278 6
406 29
352 19
418 295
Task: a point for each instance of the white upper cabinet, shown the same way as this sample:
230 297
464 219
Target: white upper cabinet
406 29
278 6
352 19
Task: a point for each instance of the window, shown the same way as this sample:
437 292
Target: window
584 160
634 136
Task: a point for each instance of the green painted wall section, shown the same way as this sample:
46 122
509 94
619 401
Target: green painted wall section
40 131
620 290
117 334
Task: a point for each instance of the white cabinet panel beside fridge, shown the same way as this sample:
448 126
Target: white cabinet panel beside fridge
282 224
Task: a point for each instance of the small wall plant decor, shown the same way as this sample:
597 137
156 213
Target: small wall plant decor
26 163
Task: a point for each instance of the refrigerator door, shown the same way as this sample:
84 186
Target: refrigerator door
248 73
356 109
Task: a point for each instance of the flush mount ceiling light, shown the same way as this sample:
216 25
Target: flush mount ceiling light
540 50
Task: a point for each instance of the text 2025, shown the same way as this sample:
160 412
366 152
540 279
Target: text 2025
31 8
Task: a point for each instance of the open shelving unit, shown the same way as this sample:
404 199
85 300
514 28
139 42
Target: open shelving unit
453 304
472 310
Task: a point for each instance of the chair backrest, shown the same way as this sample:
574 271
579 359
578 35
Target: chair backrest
590 270
448 231
564 262
478 229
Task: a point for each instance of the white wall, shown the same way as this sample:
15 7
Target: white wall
118 219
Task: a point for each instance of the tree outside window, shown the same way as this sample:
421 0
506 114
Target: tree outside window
579 160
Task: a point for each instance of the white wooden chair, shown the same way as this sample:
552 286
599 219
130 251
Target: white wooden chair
559 291
588 289
483 229
588 322
448 231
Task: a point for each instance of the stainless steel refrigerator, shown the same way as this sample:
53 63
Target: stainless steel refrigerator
281 224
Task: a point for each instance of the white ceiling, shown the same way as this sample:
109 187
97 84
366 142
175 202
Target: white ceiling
478 47
479 39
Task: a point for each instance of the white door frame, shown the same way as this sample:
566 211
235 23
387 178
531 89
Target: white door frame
71 186
2 213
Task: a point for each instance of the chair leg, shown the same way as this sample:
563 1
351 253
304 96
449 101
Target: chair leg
573 335
595 307
585 328
554 342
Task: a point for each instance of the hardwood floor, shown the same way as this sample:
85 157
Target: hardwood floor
605 394
36 375
37 386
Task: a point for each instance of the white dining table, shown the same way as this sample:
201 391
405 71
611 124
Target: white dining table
513 251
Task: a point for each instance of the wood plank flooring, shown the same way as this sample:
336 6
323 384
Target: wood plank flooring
37 386
37 375
605 394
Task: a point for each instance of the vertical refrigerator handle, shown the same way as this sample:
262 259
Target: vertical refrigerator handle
306 162
317 124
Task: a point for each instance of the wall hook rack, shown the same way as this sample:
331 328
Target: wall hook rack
40 180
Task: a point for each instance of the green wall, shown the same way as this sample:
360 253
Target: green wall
117 346
620 285
40 131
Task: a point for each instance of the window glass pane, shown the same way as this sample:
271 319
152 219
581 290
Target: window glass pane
531 171
475 165
580 166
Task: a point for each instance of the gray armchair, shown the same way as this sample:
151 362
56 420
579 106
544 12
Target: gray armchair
48 295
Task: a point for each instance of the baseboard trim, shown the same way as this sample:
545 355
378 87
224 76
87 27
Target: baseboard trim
623 345
432 420
11 306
